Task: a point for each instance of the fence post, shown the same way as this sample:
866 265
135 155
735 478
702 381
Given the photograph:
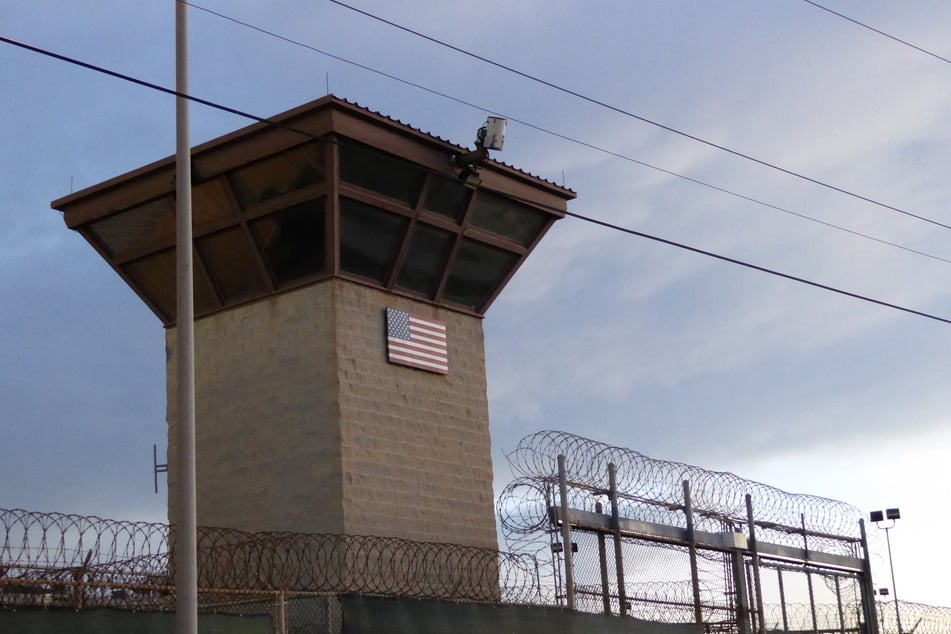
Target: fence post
868 594
603 562
692 550
838 600
756 578
79 574
566 533
812 594
280 613
616 526
742 594
782 600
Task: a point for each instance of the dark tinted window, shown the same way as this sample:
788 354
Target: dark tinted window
293 241
422 267
447 197
278 175
381 173
211 201
370 239
476 271
507 218
228 256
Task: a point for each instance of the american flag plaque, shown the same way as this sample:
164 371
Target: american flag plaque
416 342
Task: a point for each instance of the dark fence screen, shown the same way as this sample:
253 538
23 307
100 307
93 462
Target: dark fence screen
366 615
106 621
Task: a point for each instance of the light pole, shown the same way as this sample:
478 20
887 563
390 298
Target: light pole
891 515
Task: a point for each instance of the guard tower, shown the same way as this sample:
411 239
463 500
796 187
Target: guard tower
343 264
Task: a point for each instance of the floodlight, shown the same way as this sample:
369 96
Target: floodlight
493 134
559 548
877 516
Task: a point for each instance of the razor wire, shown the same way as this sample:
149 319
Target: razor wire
54 559
46 551
652 490
917 618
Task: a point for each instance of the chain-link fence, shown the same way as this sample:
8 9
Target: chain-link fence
57 561
620 533
92 555
603 530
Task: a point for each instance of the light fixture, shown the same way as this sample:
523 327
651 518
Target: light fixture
490 136
558 547
877 517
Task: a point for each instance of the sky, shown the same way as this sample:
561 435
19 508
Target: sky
618 338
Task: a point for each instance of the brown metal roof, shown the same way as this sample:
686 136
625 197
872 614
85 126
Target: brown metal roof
328 189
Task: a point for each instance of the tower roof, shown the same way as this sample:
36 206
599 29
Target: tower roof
328 189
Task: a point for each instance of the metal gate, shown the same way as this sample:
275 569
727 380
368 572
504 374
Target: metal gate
667 542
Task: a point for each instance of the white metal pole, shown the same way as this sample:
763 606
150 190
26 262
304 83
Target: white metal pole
186 531
891 566
566 533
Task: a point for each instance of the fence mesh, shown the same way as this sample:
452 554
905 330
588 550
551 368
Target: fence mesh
84 561
675 581
54 560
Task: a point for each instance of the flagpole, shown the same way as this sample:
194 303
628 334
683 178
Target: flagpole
186 530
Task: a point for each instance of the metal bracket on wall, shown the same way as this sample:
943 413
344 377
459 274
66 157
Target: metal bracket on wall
156 467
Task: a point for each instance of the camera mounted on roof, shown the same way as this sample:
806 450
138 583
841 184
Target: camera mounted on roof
491 136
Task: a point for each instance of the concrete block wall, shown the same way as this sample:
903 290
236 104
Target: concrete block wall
302 424
415 445
267 420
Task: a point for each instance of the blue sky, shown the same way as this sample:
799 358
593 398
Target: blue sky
622 339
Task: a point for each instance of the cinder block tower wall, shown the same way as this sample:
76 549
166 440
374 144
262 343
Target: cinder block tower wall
268 427
302 240
415 445
302 424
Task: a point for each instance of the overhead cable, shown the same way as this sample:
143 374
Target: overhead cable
755 267
641 118
602 223
880 32
562 136
148 84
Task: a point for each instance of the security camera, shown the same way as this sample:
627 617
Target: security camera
492 135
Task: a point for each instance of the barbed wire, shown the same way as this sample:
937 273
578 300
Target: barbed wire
659 483
652 490
54 549
54 559
916 618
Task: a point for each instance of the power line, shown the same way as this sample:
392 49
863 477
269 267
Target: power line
880 32
146 84
736 194
641 118
755 267
743 263
562 136
158 87
265 120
